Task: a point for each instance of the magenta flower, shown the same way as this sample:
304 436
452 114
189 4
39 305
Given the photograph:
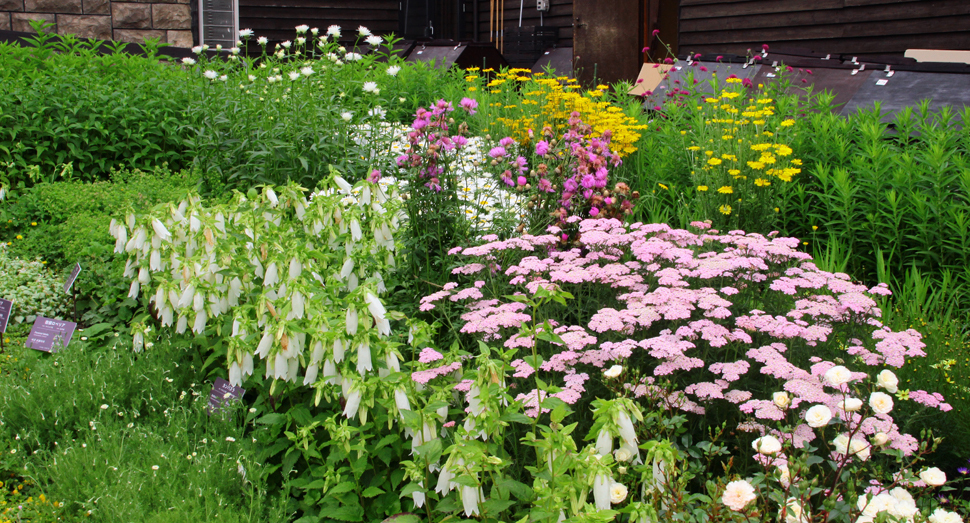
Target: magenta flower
374 177
469 104
497 152
522 181
506 142
542 148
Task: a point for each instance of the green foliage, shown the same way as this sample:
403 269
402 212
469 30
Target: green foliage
65 104
301 110
33 289
67 222
113 435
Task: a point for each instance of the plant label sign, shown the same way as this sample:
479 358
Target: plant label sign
72 277
222 393
49 335
6 307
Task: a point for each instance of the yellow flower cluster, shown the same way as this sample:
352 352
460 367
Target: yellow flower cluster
539 100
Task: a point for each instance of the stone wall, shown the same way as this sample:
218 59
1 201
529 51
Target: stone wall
168 20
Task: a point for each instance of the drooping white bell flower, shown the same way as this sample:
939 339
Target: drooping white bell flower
182 324
122 238
161 230
351 321
470 499
133 291
271 195
604 443
200 319
338 350
355 232
138 341
265 344
235 374
296 268
625 425
347 269
311 374
297 305
352 403
601 491
247 364
280 366
344 186
317 354
272 276
401 400
364 363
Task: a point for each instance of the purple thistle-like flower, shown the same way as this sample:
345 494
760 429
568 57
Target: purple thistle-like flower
469 104
497 152
506 142
542 148
374 176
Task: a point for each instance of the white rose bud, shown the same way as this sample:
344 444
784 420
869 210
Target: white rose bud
618 493
766 445
818 416
781 399
613 371
880 439
887 380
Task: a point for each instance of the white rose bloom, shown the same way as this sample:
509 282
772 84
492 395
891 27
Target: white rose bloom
837 376
859 449
942 516
781 399
613 371
841 444
818 416
624 453
904 506
618 492
881 402
795 512
737 495
784 475
880 438
887 380
933 477
766 445
851 404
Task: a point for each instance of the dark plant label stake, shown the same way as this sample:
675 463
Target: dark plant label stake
222 393
49 334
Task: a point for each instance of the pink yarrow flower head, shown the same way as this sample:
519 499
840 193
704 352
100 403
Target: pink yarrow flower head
469 104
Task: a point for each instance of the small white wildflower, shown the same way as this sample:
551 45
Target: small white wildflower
188 61
393 70
374 40
363 31
294 75
154 467
262 40
300 41
234 50
104 407
371 87
230 439
252 78
334 31
353 57
315 30
346 116
245 33
286 44
223 78
300 29
306 71
211 75
197 49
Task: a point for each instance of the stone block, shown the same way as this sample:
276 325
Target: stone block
96 7
53 6
171 16
85 26
11 5
137 36
180 39
131 16
4 21
21 21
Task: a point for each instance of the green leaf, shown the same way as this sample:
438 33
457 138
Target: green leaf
347 513
430 451
494 506
340 488
370 492
273 418
521 491
516 417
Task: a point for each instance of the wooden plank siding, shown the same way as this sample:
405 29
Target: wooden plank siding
560 15
276 19
854 27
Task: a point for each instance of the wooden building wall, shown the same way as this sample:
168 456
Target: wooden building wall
560 15
276 19
856 27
